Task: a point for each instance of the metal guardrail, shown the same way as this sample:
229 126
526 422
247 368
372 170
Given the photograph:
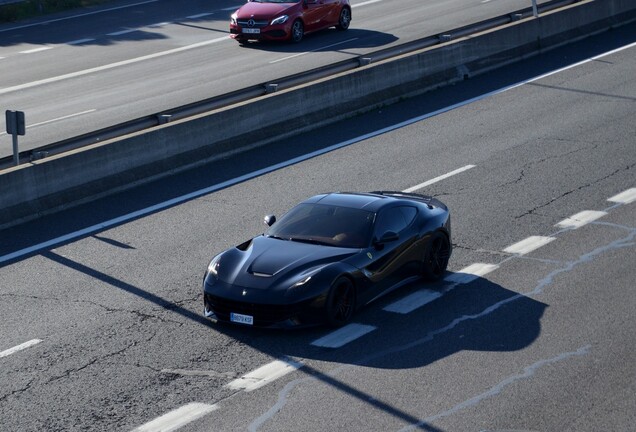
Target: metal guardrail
257 90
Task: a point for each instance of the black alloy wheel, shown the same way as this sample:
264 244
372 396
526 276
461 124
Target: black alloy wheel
345 19
436 256
297 31
340 302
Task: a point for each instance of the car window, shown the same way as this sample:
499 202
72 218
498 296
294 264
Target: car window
394 219
331 225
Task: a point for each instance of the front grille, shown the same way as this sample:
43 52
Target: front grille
254 24
264 314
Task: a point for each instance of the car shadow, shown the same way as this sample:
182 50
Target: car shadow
327 40
477 316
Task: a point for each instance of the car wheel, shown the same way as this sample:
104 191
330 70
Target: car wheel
341 302
345 19
297 31
436 256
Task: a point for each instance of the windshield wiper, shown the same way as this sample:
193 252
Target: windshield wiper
310 240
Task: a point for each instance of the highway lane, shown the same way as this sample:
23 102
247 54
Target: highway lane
75 75
544 341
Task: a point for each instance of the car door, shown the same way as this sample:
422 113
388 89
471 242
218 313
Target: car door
315 13
393 261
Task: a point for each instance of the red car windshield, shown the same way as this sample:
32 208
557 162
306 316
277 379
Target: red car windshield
325 224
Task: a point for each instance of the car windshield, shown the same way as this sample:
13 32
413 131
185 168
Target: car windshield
325 224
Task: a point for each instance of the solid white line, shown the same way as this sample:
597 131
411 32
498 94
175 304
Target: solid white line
528 245
20 347
177 418
79 41
111 66
161 24
34 50
76 16
306 52
470 273
122 32
264 375
413 301
231 8
343 336
580 219
201 15
436 179
627 197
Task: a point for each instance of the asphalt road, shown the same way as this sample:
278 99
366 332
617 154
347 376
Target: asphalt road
83 71
512 340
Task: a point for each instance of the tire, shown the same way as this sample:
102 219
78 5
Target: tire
345 19
341 302
297 31
436 256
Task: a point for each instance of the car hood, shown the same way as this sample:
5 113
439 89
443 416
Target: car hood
268 262
262 10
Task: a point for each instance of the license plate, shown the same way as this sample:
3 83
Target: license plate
251 30
243 319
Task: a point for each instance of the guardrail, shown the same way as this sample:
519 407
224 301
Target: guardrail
261 89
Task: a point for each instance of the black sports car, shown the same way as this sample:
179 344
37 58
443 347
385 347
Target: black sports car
327 257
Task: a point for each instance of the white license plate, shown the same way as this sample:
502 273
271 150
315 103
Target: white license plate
251 30
243 319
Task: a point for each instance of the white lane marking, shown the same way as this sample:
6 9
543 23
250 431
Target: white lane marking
626 197
343 336
80 41
20 347
161 24
436 179
413 301
112 65
528 372
231 8
34 50
264 375
528 245
76 16
56 119
122 32
201 15
470 273
177 418
580 219
366 3
314 50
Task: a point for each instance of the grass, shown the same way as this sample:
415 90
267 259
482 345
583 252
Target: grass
34 8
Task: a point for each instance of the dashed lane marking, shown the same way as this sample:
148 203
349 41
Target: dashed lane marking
627 197
177 418
413 301
20 347
528 245
580 219
470 273
264 375
437 179
34 50
343 336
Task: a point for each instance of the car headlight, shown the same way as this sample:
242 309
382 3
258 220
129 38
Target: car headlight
280 20
233 18
213 267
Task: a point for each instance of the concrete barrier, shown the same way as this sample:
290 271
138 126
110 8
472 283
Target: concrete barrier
32 189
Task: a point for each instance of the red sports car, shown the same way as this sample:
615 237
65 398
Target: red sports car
287 20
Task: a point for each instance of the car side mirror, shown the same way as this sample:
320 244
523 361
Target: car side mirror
387 237
269 220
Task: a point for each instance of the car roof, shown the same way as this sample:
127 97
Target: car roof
372 201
